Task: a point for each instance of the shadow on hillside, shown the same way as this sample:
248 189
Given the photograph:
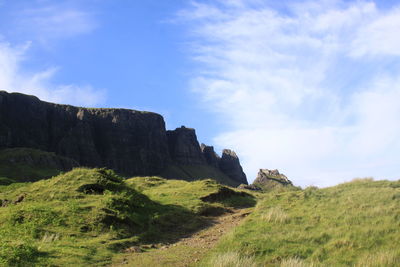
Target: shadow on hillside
170 223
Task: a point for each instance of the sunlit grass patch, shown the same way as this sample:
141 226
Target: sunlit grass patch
231 259
276 215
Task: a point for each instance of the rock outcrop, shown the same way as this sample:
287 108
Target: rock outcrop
184 147
271 178
210 156
230 165
185 150
133 143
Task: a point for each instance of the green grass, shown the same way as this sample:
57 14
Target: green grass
27 164
188 194
88 216
352 224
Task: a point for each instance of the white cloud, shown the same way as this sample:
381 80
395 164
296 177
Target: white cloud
47 23
379 36
14 79
295 89
43 23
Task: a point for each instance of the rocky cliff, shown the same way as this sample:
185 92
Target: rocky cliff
187 155
128 141
184 147
230 165
210 156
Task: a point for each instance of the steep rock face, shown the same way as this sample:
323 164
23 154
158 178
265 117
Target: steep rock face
191 160
230 165
130 142
271 178
210 156
184 147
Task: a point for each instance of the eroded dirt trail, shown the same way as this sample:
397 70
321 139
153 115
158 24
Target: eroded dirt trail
189 250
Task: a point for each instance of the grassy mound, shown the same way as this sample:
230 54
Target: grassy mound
191 195
73 218
196 172
87 216
352 224
27 164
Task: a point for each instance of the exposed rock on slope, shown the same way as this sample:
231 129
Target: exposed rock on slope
271 178
131 142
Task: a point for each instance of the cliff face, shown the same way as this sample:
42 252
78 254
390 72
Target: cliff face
185 150
128 141
210 156
184 147
230 165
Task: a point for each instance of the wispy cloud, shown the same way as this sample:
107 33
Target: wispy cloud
47 23
14 79
43 24
310 88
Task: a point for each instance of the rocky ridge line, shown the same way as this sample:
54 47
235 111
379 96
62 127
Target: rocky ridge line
133 143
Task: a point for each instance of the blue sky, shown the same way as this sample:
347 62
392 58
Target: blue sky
309 87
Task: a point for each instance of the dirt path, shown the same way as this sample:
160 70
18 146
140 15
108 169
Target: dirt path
187 251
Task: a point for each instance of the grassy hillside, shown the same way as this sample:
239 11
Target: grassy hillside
27 164
191 195
87 216
352 224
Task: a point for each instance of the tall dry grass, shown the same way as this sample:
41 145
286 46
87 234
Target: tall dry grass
276 215
380 259
232 259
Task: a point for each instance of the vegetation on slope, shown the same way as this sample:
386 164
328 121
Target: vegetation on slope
87 216
194 196
27 164
352 224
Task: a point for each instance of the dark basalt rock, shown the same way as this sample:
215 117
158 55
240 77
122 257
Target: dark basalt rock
133 143
230 165
184 147
128 141
210 156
